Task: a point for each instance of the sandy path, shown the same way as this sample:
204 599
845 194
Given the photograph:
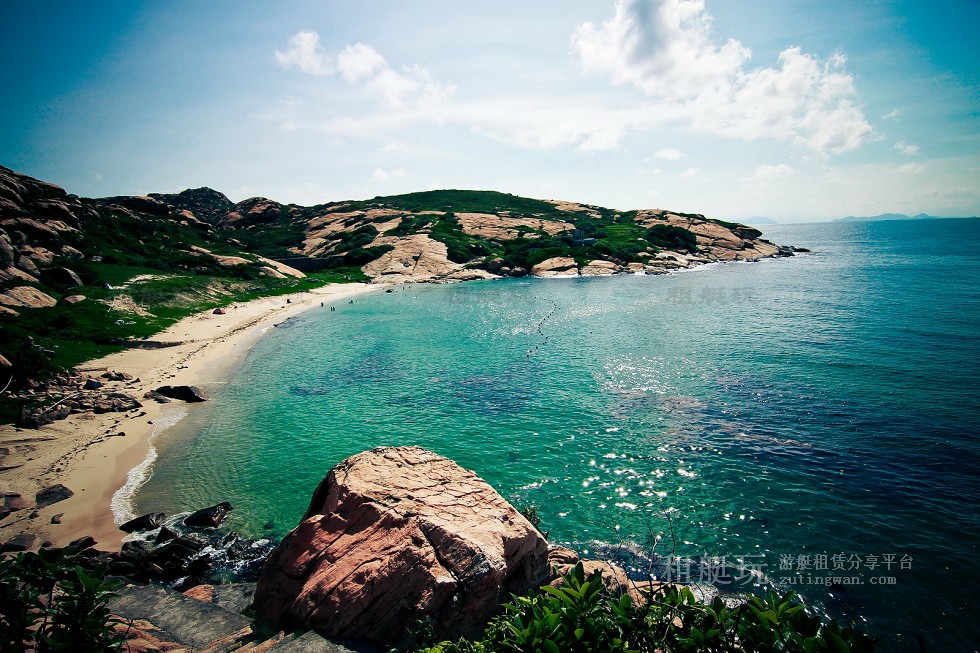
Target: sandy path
92 454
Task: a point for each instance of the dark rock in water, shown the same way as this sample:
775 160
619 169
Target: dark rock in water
269 525
142 523
52 494
210 517
156 396
188 393
177 550
136 552
165 535
21 542
82 543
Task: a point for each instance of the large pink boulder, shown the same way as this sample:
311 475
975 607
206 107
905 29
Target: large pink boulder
394 535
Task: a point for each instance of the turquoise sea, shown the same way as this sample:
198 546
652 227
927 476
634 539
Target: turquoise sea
807 423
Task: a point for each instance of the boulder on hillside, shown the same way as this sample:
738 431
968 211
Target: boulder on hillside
64 275
188 393
394 535
26 297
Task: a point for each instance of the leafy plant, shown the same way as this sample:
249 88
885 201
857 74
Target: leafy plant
582 615
51 603
672 237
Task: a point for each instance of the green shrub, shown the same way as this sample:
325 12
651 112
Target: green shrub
673 237
583 616
363 256
51 603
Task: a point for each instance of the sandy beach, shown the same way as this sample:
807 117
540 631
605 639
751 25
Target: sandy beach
93 454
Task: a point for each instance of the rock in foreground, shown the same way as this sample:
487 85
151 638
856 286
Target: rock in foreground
397 534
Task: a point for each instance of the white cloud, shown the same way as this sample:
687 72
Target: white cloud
765 173
690 172
668 154
304 53
912 168
892 115
906 148
362 65
379 175
603 139
360 62
666 50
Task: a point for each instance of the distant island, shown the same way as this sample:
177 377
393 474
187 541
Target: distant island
894 216
757 220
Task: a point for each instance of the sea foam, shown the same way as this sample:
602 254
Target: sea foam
122 500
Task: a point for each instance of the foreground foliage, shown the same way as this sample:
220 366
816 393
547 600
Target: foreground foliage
583 616
51 603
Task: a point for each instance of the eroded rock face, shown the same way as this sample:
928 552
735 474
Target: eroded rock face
417 258
26 297
393 535
554 267
498 227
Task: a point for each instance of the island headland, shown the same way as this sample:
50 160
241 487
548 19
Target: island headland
103 302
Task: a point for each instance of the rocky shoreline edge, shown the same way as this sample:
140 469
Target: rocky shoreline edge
393 536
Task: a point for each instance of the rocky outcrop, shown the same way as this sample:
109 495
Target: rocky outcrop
27 297
393 535
600 268
499 227
716 241
555 267
417 258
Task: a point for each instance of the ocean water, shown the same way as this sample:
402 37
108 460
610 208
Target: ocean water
807 423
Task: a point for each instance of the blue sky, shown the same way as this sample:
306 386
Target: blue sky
795 109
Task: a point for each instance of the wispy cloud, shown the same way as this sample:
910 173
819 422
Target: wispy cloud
380 175
668 154
363 66
906 148
767 173
666 50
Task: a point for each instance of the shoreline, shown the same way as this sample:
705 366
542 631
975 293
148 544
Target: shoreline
93 454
